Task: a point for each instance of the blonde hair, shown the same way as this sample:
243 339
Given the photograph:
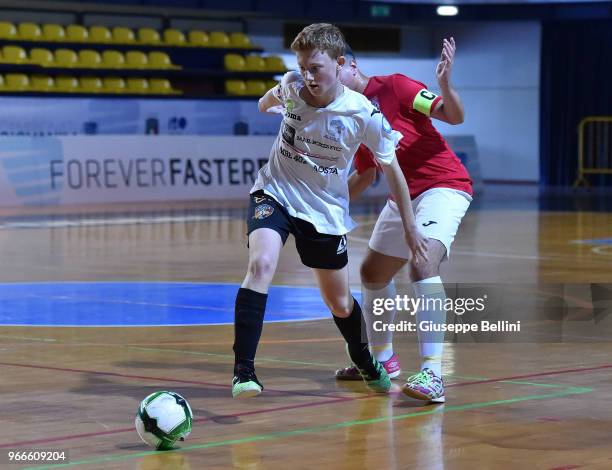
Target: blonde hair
323 37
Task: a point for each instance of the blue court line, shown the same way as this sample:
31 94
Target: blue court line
594 241
114 304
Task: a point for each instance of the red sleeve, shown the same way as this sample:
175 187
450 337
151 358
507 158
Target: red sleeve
406 89
364 160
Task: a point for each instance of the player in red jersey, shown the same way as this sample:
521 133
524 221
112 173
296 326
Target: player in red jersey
441 191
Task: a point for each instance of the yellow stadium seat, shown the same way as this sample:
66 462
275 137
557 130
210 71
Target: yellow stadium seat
65 58
174 37
113 85
76 33
41 83
235 87
271 84
53 32
14 55
275 64
136 60
99 34
113 59
17 82
198 38
66 84
123 35
40 56
254 63
137 85
90 84
7 30
162 86
240 40
89 59
148 36
219 39
29 32
2 84
234 62
160 60
256 87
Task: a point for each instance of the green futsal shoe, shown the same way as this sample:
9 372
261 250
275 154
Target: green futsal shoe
375 376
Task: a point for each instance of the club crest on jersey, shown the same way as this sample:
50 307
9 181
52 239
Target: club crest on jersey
289 107
288 134
262 211
385 124
335 130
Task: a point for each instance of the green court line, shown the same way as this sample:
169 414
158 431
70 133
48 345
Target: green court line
26 338
322 428
227 356
178 351
534 384
230 357
327 365
517 382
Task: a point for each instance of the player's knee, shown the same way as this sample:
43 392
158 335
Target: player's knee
424 270
340 308
262 268
372 279
370 275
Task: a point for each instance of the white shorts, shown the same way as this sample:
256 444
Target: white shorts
438 213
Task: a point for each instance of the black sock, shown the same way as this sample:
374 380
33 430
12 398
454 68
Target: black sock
248 323
350 327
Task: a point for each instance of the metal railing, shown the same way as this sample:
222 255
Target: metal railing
594 148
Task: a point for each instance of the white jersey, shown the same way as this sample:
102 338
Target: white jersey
310 160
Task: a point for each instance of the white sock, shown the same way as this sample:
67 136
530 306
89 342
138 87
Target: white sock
381 342
431 344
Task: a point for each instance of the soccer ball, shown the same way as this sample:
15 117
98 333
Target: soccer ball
162 419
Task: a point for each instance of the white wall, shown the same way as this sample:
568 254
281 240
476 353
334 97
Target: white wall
497 74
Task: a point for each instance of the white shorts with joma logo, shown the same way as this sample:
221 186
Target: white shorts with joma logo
438 213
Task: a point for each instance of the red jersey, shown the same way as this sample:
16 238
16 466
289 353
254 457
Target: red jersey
423 155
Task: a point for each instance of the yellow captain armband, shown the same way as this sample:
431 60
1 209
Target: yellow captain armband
423 101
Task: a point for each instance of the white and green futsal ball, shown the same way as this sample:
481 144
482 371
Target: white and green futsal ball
162 419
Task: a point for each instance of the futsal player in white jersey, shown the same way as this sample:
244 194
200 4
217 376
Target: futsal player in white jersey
303 191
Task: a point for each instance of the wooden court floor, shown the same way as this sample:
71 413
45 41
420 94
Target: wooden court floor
535 405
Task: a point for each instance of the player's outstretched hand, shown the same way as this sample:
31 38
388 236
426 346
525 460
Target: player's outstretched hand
279 109
418 245
443 70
